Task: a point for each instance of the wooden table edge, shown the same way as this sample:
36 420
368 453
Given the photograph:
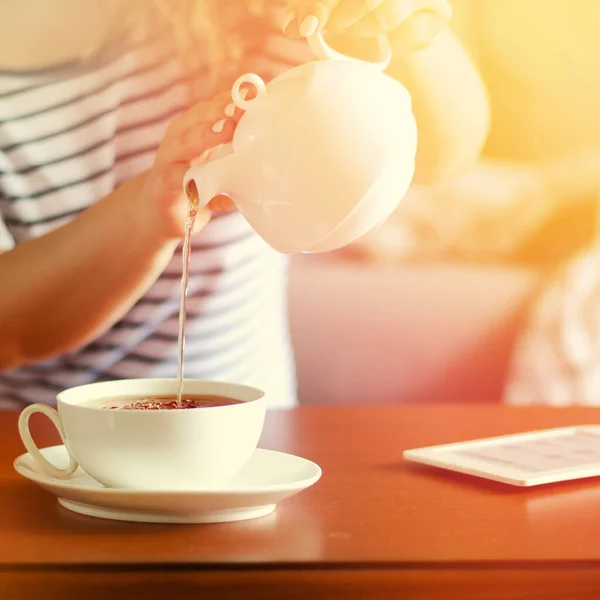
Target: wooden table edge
449 582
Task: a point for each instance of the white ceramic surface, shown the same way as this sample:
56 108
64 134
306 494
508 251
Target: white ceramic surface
167 449
322 155
268 478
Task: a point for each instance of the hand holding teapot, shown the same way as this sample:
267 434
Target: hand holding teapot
322 154
412 24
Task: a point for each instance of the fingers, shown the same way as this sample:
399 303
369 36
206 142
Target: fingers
202 112
205 126
308 17
198 135
368 18
210 111
193 142
391 14
349 12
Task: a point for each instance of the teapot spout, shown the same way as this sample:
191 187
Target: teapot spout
204 181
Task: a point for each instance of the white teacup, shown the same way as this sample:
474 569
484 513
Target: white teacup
152 449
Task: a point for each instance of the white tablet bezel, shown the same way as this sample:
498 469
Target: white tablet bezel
439 456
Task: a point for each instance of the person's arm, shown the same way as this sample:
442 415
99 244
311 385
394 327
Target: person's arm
63 289
449 103
495 210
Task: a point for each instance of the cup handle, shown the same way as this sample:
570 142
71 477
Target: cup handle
323 51
47 467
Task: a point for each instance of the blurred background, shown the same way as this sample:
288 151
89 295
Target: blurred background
485 288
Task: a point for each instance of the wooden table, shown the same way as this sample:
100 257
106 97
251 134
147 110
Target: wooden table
373 527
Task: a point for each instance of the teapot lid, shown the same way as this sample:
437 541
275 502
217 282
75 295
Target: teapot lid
323 51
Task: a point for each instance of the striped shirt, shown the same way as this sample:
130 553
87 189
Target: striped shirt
71 135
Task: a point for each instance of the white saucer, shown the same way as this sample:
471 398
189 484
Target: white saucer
268 478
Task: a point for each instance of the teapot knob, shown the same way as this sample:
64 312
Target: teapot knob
236 93
323 51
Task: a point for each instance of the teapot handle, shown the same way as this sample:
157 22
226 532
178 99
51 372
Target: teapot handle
323 51
237 95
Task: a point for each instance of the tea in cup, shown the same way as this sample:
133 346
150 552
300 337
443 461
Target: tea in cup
132 433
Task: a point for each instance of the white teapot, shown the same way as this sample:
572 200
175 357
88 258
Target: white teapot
322 155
